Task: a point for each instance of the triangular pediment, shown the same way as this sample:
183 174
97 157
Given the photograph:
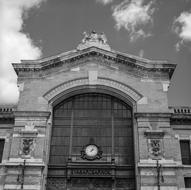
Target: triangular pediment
94 47
98 54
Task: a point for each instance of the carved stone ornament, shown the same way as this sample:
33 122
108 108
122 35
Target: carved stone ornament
155 147
29 126
27 146
29 129
94 39
154 138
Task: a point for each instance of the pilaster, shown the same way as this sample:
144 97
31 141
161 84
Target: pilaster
158 164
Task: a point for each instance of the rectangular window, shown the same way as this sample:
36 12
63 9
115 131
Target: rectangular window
187 182
185 152
2 142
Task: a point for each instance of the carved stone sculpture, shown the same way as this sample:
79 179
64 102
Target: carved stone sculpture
155 146
27 146
94 39
29 126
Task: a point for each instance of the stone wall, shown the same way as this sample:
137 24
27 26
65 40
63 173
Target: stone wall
157 151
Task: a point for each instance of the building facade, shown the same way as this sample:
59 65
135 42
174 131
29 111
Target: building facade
94 118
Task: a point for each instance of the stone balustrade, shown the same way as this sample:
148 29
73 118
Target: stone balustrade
180 110
6 109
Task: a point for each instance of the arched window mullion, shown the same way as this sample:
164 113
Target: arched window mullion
71 131
112 131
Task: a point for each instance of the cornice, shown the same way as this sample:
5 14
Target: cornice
154 133
179 110
6 112
181 115
152 115
31 114
95 53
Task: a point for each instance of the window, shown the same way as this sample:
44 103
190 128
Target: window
185 152
2 142
187 182
102 118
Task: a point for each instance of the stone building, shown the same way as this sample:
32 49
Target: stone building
94 118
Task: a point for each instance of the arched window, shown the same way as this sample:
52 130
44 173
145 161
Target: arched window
92 117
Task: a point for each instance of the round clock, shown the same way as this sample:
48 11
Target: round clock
91 150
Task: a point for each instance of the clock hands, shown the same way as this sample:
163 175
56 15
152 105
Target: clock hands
91 150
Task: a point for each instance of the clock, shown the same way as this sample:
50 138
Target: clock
91 152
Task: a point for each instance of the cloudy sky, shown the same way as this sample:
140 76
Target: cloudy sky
154 29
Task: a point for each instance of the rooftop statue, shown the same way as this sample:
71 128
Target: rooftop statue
94 39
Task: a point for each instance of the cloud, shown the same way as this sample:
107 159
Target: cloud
9 93
133 15
104 2
14 45
141 53
182 27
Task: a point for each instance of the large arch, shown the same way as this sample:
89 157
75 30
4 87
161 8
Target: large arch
72 88
102 83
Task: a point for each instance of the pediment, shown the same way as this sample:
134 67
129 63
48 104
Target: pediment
90 54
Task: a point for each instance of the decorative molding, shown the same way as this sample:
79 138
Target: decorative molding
100 81
181 115
180 110
152 162
143 66
7 113
121 87
153 115
91 172
143 101
154 133
31 114
7 109
13 187
30 162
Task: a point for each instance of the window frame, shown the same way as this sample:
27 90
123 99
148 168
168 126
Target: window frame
187 184
185 160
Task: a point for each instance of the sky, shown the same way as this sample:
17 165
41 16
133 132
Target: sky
153 29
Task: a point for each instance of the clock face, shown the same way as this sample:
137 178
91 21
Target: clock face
91 150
